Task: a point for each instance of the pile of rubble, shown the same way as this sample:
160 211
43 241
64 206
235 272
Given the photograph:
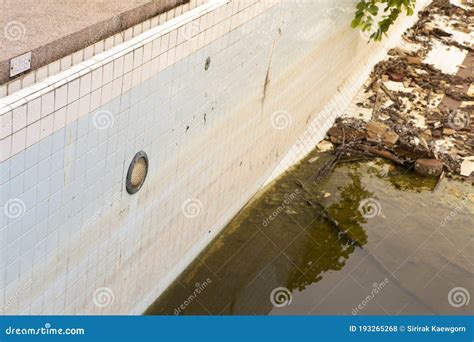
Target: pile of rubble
417 108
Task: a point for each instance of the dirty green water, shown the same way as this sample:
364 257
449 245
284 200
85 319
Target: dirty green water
393 247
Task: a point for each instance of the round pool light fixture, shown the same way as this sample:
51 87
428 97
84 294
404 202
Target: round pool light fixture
137 172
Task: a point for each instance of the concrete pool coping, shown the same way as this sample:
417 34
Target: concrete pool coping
51 30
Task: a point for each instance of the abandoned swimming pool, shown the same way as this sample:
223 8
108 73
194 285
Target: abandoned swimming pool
404 251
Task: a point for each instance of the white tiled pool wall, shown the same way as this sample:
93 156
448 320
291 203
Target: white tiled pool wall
67 225
346 91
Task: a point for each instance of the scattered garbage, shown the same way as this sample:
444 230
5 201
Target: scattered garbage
422 117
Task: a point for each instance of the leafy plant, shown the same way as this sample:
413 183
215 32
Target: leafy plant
368 11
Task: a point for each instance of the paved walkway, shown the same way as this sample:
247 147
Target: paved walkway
52 29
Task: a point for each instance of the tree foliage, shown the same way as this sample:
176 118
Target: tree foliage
377 16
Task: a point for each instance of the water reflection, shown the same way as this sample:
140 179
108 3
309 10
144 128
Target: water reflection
284 238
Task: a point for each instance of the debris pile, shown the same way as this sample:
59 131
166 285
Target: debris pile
416 109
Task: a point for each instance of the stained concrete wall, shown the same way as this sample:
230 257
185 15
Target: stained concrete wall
72 239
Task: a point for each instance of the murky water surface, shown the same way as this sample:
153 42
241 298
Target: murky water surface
382 243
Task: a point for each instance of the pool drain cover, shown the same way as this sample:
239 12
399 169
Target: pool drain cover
137 172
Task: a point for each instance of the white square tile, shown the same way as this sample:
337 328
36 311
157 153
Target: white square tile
95 99
84 105
147 50
47 126
98 47
77 57
41 73
72 112
173 38
163 61
109 43
154 66
137 29
108 73
97 78
118 67
117 87
106 93
73 90
156 47
162 18
138 57
33 133
28 80
146 25
136 76
128 62
118 38
127 82
14 86
54 68
47 104
60 97
128 34
5 148
89 52
3 90
18 141
85 84
59 119
5 125
19 118
66 62
34 110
